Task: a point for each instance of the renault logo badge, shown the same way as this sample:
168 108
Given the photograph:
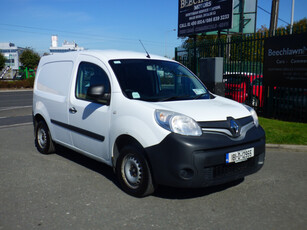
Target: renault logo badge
235 129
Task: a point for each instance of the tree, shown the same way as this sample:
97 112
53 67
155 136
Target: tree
298 26
29 58
2 61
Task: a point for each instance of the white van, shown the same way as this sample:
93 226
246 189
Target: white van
148 117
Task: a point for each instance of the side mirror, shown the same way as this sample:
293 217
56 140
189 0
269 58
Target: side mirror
96 93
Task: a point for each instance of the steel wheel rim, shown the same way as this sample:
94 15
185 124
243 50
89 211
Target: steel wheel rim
42 138
131 171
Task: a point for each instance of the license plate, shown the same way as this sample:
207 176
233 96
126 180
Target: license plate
239 156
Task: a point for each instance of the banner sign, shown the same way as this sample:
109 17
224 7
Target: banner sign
285 61
199 16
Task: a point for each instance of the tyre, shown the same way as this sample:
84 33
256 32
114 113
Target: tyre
133 172
43 141
255 102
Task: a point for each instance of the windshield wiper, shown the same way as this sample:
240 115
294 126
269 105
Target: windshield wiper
173 98
199 96
208 96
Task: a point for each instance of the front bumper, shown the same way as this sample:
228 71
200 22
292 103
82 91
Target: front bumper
184 161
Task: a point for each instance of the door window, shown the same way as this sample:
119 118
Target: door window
88 75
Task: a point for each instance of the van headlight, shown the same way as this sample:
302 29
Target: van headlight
254 115
177 123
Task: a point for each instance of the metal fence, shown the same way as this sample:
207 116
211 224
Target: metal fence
243 74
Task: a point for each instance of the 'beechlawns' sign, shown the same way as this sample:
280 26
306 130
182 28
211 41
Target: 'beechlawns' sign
285 61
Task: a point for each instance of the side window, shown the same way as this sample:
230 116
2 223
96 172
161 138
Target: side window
90 75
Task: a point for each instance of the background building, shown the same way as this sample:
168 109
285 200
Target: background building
11 53
66 46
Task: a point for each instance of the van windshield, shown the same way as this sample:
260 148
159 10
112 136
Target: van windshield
156 80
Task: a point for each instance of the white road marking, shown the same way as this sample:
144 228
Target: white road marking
16 107
16 125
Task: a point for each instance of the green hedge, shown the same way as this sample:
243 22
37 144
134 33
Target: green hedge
17 84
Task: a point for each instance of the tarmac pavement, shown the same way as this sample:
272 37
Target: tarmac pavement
69 191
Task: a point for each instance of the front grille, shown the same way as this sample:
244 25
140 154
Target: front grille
228 170
226 123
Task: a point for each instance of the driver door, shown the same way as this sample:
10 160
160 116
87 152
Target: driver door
90 121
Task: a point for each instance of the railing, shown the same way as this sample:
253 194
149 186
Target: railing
243 74
5 70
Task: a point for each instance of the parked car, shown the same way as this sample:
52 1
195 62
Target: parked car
236 86
245 88
148 117
256 91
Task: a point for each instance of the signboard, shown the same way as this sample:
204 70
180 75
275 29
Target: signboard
245 10
285 61
249 16
199 16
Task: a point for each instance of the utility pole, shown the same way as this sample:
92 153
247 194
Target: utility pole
241 7
292 15
274 17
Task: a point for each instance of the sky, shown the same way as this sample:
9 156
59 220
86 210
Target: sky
109 24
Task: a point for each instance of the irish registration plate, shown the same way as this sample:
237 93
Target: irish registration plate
239 156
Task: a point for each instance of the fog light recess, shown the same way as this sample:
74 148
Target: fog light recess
186 173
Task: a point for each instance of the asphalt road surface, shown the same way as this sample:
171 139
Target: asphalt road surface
15 107
68 191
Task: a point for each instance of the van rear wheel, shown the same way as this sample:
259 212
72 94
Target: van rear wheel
43 141
133 172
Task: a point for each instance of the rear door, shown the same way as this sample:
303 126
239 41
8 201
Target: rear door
89 121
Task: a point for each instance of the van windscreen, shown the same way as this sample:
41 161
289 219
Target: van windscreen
156 80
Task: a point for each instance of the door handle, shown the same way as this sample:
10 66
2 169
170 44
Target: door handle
72 110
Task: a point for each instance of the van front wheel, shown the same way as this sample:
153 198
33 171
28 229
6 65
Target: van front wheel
133 172
43 141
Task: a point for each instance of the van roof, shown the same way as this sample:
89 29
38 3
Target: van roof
106 55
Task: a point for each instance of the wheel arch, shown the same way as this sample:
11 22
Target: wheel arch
122 141
36 119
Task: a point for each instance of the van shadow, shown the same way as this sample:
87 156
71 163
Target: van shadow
189 193
87 162
89 109
163 192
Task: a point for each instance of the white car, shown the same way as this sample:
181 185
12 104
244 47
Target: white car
148 117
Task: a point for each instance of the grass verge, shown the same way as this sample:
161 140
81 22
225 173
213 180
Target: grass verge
282 132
